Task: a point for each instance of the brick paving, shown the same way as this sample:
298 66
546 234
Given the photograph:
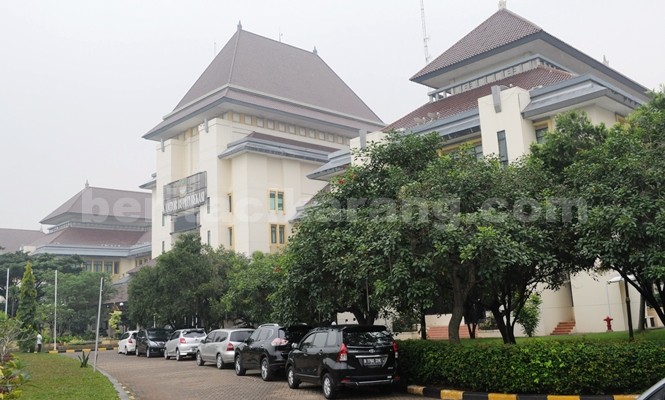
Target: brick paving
156 378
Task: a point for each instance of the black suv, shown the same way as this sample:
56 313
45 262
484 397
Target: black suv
344 355
151 340
267 348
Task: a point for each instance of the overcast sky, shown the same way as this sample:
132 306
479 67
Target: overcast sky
82 81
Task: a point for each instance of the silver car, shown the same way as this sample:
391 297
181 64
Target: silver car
183 343
219 346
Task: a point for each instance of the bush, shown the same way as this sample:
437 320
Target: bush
537 366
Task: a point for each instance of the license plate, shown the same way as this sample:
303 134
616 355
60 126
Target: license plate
372 362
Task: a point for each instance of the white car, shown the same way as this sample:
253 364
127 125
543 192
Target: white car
219 346
183 343
127 343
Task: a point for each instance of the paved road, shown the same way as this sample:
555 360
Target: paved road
156 378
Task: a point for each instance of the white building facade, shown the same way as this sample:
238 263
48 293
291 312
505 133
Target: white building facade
234 155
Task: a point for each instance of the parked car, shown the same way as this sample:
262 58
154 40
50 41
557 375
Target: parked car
150 341
655 392
183 343
267 349
344 355
127 342
219 346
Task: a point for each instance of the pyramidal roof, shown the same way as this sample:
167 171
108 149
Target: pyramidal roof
502 28
95 201
250 65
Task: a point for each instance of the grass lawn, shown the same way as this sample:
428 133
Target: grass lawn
55 377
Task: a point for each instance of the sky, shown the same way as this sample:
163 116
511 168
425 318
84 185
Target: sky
82 81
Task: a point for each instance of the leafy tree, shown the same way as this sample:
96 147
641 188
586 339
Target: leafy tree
353 251
184 288
78 300
529 315
621 180
27 308
250 284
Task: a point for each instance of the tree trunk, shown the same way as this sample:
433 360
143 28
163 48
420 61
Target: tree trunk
423 325
642 322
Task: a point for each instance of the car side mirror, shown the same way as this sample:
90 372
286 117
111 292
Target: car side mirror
294 345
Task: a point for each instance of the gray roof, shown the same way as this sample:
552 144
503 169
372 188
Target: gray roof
505 35
12 240
278 147
119 206
251 68
502 28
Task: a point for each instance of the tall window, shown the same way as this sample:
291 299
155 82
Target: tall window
277 234
230 199
276 200
540 134
230 236
208 238
503 147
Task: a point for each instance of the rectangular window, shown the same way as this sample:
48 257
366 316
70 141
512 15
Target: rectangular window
280 201
230 236
163 219
273 234
273 204
163 246
281 230
230 199
108 266
116 267
503 147
98 266
208 204
276 200
208 238
478 151
277 234
540 134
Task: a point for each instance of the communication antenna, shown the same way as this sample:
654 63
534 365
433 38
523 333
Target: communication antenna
425 37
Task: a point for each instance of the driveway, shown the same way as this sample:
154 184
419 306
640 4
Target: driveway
156 378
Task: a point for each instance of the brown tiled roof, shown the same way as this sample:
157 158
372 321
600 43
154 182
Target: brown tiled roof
468 100
502 28
91 198
11 240
93 237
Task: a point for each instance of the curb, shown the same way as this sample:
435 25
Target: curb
446 394
80 350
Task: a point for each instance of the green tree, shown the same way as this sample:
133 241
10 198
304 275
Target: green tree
27 308
529 315
621 180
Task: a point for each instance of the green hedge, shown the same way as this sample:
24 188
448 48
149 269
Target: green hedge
538 366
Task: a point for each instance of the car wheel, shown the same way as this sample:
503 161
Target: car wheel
177 355
240 371
291 378
329 386
266 373
199 360
219 361
147 352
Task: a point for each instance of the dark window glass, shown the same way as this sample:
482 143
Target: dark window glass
503 147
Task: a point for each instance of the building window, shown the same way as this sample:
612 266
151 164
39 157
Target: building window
163 246
98 266
208 238
477 150
163 219
259 122
236 117
208 204
277 234
292 129
230 236
248 119
230 200
280 230
302 131
503 147
271 124
276 200
116 267
540 134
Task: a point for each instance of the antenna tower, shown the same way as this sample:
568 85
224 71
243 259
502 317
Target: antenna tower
425 37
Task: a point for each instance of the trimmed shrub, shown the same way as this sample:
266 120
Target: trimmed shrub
535 367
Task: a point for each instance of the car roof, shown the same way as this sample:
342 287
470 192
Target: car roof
353 328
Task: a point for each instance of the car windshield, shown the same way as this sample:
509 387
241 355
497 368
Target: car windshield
367 338
158 334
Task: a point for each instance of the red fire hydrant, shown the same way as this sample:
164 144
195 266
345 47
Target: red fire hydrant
608 321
